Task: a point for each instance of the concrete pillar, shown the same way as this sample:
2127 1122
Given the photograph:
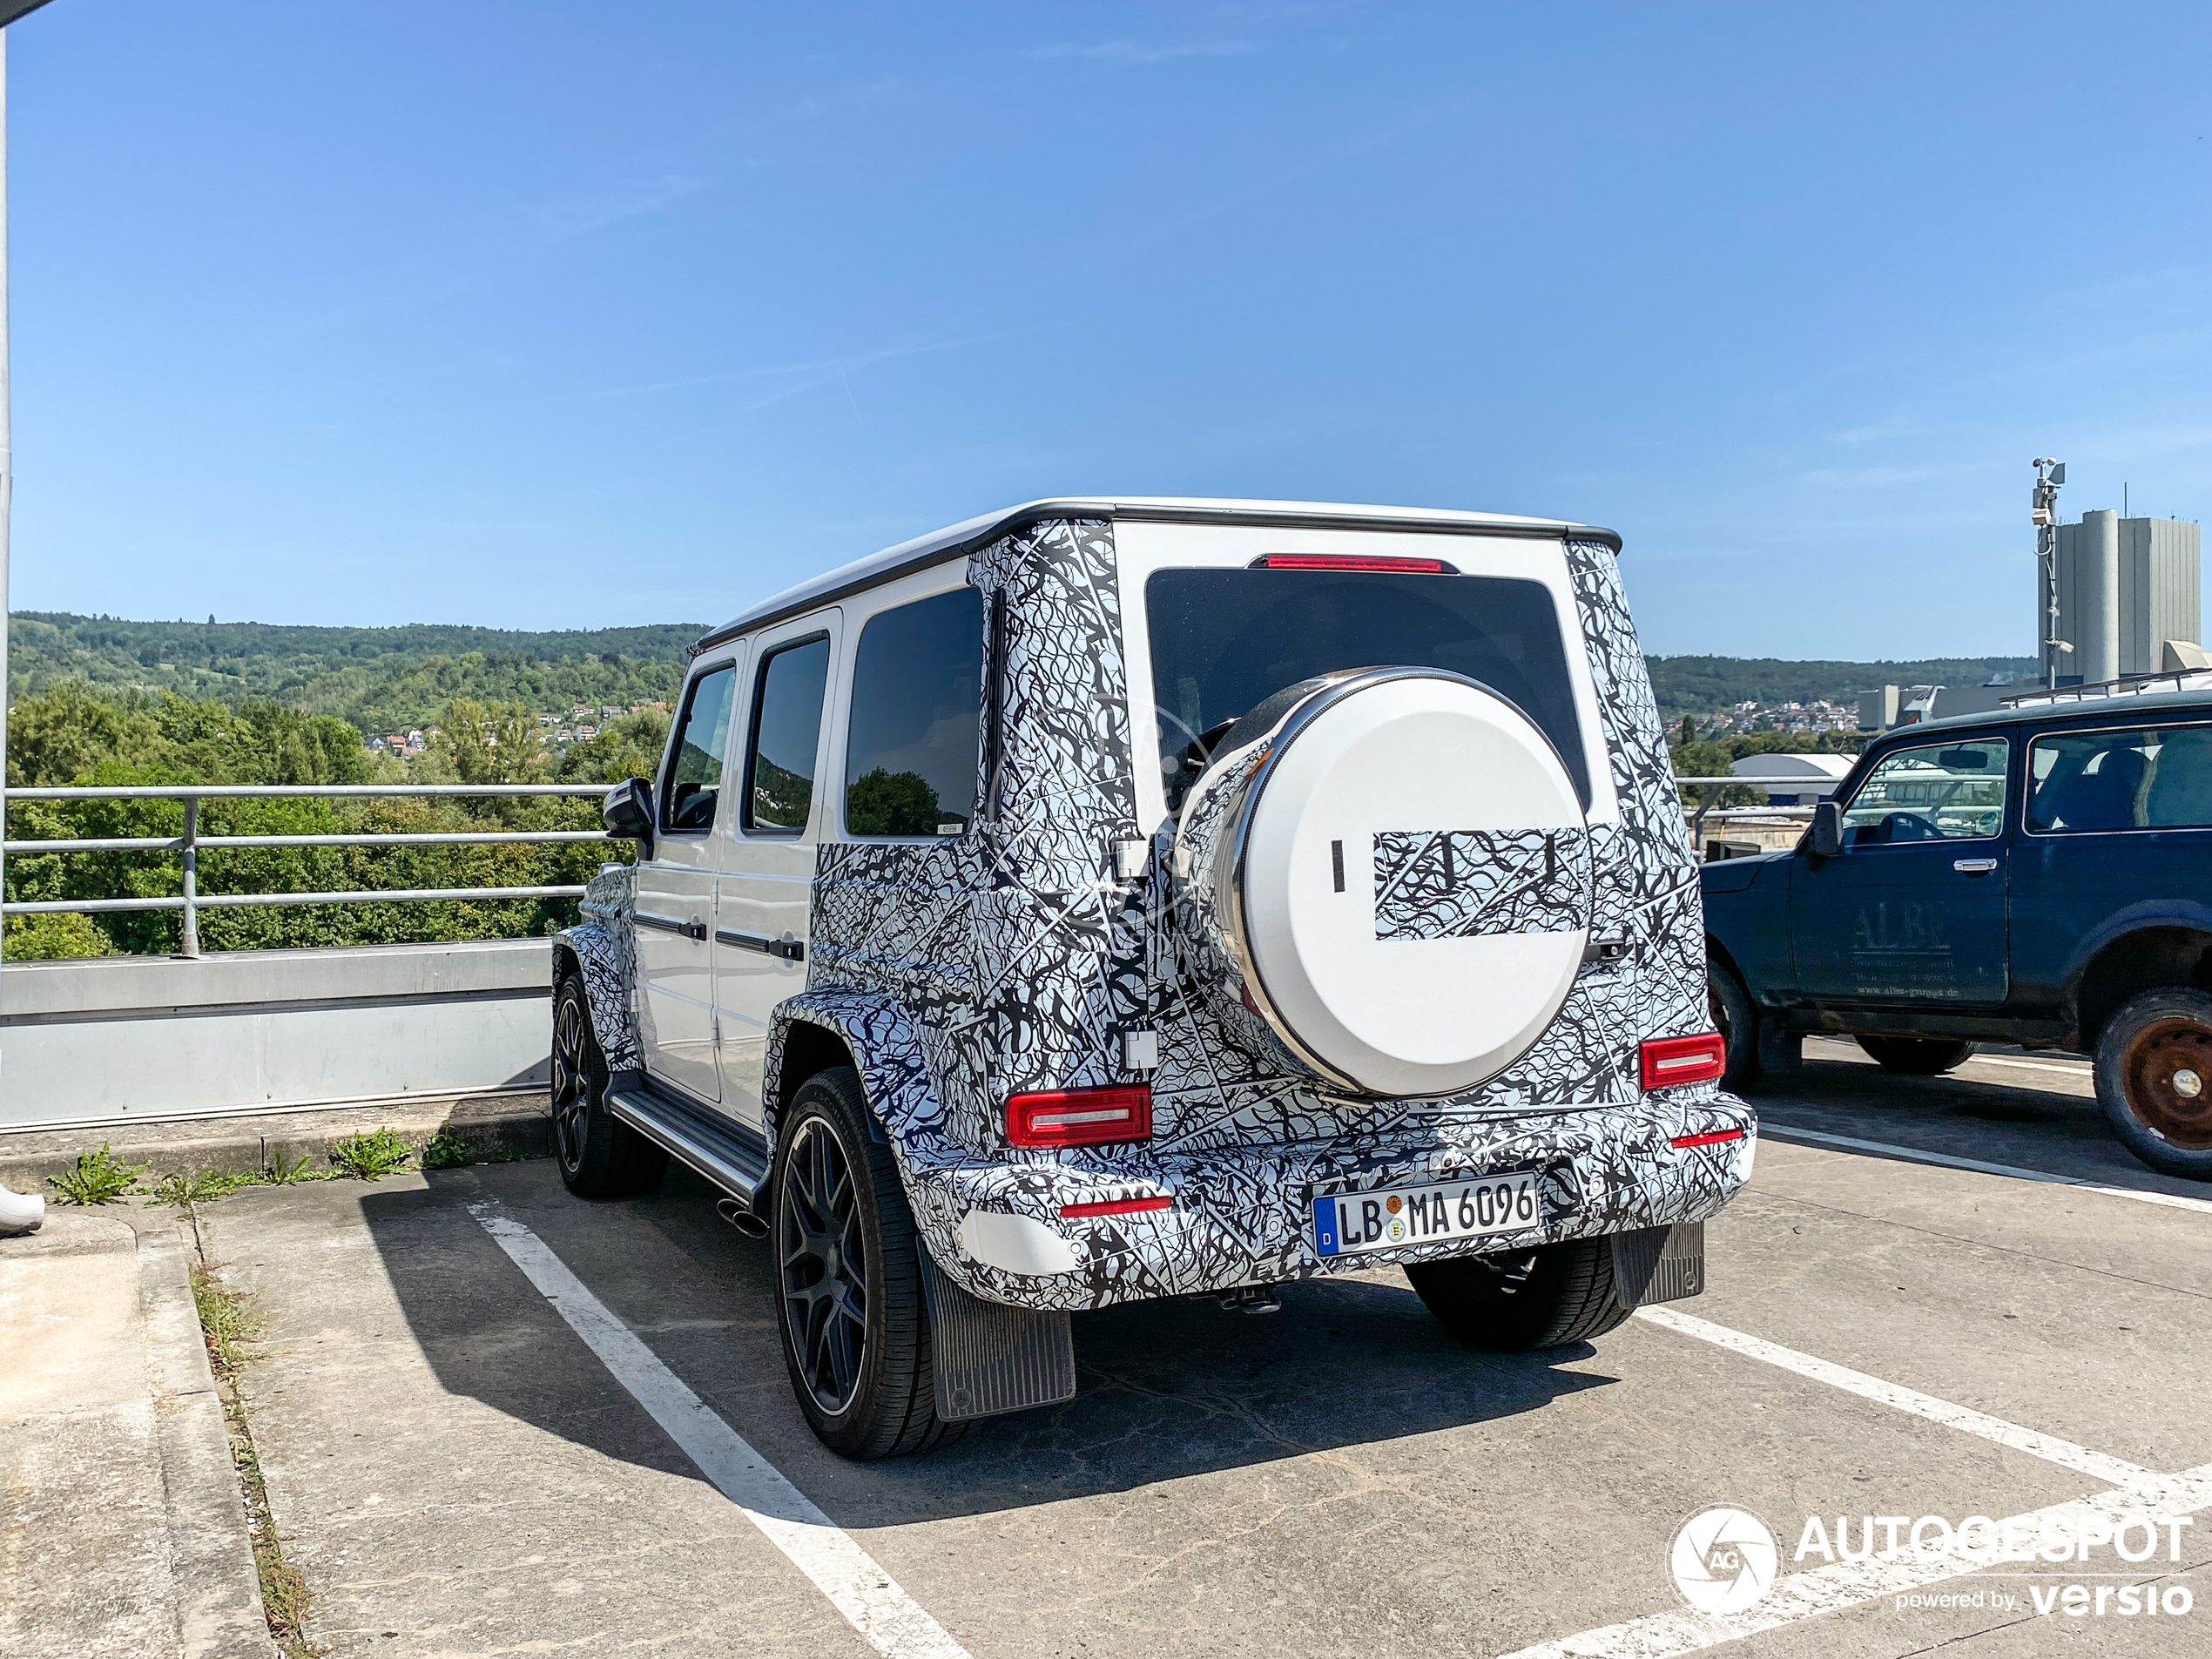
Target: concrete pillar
2097 640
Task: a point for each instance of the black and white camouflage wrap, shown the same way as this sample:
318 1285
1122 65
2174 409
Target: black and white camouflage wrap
1460 884
962 971
604 947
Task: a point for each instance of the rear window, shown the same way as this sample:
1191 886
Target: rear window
1226 641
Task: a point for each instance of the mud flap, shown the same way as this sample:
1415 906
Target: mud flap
991 1359
1659 1263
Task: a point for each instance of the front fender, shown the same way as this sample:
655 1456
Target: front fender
602 953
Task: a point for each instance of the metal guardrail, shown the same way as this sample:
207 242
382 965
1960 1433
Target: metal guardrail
191 901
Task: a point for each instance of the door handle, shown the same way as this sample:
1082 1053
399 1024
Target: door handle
1973 866
695 930
789 950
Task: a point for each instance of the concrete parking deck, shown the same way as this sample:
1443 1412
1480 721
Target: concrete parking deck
459 1470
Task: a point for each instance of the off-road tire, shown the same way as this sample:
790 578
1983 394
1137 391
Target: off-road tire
1736 1018
1918 1057
598 1156
2149 1040
892 1408
1556 1295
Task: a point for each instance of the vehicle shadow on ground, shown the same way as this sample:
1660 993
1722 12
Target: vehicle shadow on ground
1166 1390
2016 1122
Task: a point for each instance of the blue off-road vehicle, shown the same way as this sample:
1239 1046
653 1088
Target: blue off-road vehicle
2039 875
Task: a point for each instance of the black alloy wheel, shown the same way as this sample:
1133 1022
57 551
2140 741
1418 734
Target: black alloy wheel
824 1263
598 1157
850 1303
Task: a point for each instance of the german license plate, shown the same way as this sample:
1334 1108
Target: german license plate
1347 1224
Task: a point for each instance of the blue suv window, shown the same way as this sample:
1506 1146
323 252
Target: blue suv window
1952 792
2085 783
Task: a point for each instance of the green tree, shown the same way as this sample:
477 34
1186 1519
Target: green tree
891 803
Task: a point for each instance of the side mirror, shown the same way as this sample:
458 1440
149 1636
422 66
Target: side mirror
628 814
1827 837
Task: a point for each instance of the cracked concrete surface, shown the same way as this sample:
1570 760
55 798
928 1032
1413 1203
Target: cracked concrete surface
458 1475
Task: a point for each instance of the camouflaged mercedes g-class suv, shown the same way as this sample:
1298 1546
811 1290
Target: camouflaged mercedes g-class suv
1106 901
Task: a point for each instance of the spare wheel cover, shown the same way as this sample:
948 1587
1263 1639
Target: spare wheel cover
1412 882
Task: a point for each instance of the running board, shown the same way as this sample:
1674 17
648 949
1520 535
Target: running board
726 1153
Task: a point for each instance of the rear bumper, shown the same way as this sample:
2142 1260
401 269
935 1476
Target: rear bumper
1243 1215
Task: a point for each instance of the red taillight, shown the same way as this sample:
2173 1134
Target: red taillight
1081 1116
1711 1137
1115 1207
1668 1061
1352 562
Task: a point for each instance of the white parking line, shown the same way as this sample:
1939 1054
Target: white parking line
2096 1465
894 1624
2080 1069
1825 1590
1921 1154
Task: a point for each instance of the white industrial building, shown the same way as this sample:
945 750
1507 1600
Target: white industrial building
2126 586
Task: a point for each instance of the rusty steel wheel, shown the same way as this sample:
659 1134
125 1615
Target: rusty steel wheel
2154 1079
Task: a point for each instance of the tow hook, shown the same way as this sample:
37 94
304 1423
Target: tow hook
1251 1298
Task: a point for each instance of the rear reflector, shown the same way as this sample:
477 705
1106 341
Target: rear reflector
1711 1137
1081 1116
1352 562
1668 1061
1115 1207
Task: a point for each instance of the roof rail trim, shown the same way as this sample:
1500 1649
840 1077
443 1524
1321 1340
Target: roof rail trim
959 541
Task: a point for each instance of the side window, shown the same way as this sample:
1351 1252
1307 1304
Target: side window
787 731
2093 781
917 692
1942 792
701 743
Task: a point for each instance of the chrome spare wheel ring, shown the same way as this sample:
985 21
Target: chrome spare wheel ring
571 1092
2164 1071
825 1267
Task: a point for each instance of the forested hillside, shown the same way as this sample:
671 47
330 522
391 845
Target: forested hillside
1704 684
377 679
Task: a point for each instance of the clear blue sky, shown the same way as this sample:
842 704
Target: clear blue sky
548 314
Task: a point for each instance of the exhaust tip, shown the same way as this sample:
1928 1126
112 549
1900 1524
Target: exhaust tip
742 1217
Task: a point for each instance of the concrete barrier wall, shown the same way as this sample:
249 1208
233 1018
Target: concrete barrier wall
118 1040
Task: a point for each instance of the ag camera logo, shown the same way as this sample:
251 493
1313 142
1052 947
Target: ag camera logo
1723 1560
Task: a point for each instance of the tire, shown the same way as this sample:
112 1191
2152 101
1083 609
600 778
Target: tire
2155 1047
599 1157
1737 1021
1556 1295
1918 1057
856 1338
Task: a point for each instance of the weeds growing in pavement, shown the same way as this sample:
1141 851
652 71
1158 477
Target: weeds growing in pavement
199 1187
231 1326
445 1150
371 1156
99 1177
280 1174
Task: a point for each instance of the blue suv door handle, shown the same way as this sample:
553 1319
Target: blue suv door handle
1973 866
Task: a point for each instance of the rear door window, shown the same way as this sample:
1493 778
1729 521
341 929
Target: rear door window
1939 792
1223 640
701 743
787 734
2087 783
910 754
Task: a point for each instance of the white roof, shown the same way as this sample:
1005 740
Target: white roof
955 540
